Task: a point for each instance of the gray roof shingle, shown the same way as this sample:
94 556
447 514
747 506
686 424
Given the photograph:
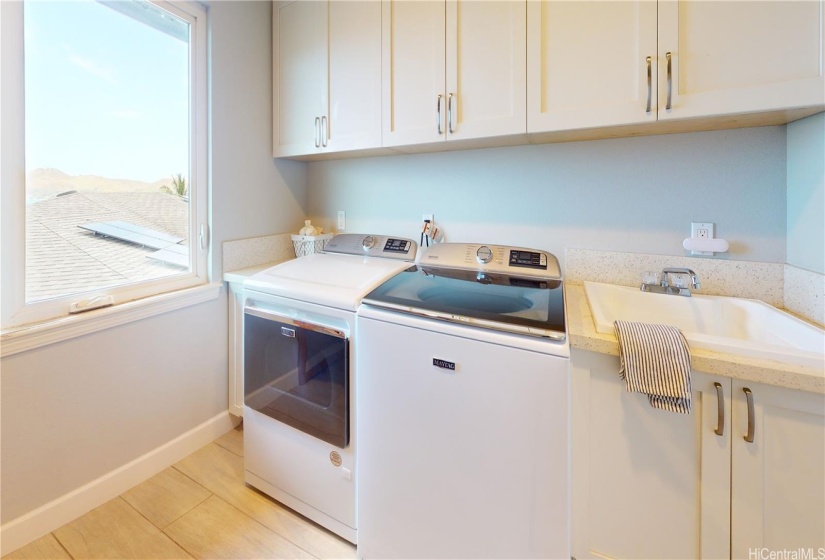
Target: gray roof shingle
62 258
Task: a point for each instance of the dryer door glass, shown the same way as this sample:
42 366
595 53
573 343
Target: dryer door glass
298 374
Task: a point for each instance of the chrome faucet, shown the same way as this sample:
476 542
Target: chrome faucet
666 288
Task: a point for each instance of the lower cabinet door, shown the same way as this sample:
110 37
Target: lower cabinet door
647 483
778 474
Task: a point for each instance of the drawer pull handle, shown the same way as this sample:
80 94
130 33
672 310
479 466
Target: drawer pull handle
751 419
450 113
438 114
720 414
649 83
669 57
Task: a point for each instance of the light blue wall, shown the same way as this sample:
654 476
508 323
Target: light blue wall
806 193
631 194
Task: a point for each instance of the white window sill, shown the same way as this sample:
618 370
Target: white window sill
28 337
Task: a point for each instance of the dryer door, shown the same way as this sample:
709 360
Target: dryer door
298 374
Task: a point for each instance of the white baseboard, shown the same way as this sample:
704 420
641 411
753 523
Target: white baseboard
33 525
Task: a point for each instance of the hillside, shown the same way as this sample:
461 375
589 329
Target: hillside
45 183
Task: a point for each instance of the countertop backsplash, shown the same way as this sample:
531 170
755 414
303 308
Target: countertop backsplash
805 293
253 251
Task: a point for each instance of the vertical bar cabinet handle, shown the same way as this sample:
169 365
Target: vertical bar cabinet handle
317 132
649 83
438 114
669 57
751 419
720 414
450 113
324 131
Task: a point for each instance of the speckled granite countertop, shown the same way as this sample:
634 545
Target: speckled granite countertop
582 334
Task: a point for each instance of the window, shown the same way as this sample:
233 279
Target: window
104 156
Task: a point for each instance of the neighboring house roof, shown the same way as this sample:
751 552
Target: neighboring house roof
62 258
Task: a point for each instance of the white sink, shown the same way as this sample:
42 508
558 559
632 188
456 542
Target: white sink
745 327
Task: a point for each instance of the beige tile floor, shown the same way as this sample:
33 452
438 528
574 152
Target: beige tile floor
197 508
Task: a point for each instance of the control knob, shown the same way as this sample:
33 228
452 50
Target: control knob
368 242
484 254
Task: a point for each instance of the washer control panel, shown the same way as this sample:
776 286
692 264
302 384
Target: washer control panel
492 259
529 259
373 246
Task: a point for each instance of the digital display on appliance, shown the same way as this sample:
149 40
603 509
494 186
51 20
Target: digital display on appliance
528 259
397 245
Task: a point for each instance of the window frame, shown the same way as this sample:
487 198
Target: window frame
15 312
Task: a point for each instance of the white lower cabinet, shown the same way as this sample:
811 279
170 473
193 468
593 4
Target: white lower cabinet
778 479
647 483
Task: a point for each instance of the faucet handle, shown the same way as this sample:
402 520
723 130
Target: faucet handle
650 277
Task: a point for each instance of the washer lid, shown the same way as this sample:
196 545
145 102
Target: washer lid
518 304
333 280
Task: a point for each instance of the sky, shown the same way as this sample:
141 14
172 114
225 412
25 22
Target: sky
105 94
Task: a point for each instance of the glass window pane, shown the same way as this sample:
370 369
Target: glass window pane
107 145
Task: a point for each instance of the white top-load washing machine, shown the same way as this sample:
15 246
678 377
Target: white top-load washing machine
299 375
463 397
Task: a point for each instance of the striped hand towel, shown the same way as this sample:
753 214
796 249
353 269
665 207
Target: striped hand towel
655 361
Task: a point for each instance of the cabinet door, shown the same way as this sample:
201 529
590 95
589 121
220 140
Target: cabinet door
299 77
413 58
587 64
778 491
636 470
729 57
486 68
354 75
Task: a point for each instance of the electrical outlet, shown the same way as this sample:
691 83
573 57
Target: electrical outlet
342 220
430 217
702 230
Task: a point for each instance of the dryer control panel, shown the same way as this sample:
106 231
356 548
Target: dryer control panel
382 246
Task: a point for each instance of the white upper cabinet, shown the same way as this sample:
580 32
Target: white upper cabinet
590 64
299 54
595 64
413 59
486 68
452 70
326 76
354 75
731 57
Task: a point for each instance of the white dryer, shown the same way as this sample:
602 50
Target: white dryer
299 375
463 398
